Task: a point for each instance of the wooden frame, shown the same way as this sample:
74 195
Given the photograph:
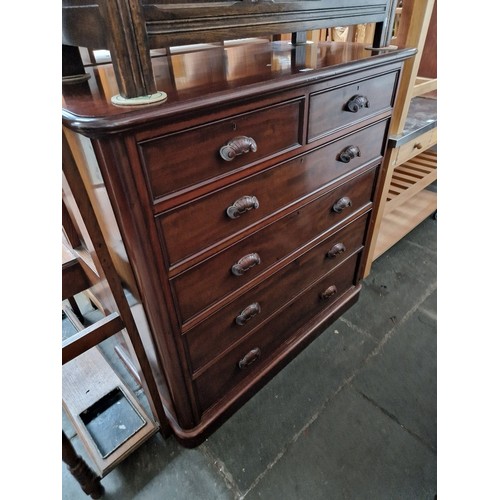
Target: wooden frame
131 28
408 203
86 374
403 206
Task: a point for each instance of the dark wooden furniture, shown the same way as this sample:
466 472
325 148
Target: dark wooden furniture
239 209
86 477
131 28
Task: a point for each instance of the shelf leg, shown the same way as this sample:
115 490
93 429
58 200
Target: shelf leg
86 477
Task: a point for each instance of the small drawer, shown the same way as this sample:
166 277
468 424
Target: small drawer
211 280
184 159
237 319
196 225
334 109
419 145
253 354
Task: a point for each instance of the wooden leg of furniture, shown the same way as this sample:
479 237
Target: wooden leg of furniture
385 173
129 47
76 309
86 477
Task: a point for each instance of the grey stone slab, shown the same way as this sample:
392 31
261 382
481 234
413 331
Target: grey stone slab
67 427
159 469
401 378
425 234
257 433
352 451
67 329
429 305
398 280
107 348
432 187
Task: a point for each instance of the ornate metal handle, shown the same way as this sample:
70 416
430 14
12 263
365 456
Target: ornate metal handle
355 103
241 206
342 204
349 153
237 146
337 249
248 313
328 293
245 263
249 358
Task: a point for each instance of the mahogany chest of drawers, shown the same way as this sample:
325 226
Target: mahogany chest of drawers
243 204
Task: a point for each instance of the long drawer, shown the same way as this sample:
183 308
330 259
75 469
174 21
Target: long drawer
335 108
189 157
237 319
211 280
195 226
250 355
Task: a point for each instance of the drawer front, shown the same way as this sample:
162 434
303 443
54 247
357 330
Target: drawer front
186 158
419 145
227 271
333 109
236 320
205 221
253 353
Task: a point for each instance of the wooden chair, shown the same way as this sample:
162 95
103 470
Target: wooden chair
87 376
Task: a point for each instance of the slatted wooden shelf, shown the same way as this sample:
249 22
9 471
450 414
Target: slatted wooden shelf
408 202
423 85
401 221
410 178
410 165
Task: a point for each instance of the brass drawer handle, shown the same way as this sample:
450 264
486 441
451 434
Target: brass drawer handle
237 146
342 204
248 313
349 153
245 263
328 293
249 358
337 249
355 103
242 205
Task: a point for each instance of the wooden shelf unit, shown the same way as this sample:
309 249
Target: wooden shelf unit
408 202
410 165
410 178
401 221
87 377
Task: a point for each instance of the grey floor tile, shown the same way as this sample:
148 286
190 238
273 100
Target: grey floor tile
161 469
399 278
429 305
401 378
257 433
425 235
352 451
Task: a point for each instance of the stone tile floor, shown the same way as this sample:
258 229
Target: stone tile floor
352 417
